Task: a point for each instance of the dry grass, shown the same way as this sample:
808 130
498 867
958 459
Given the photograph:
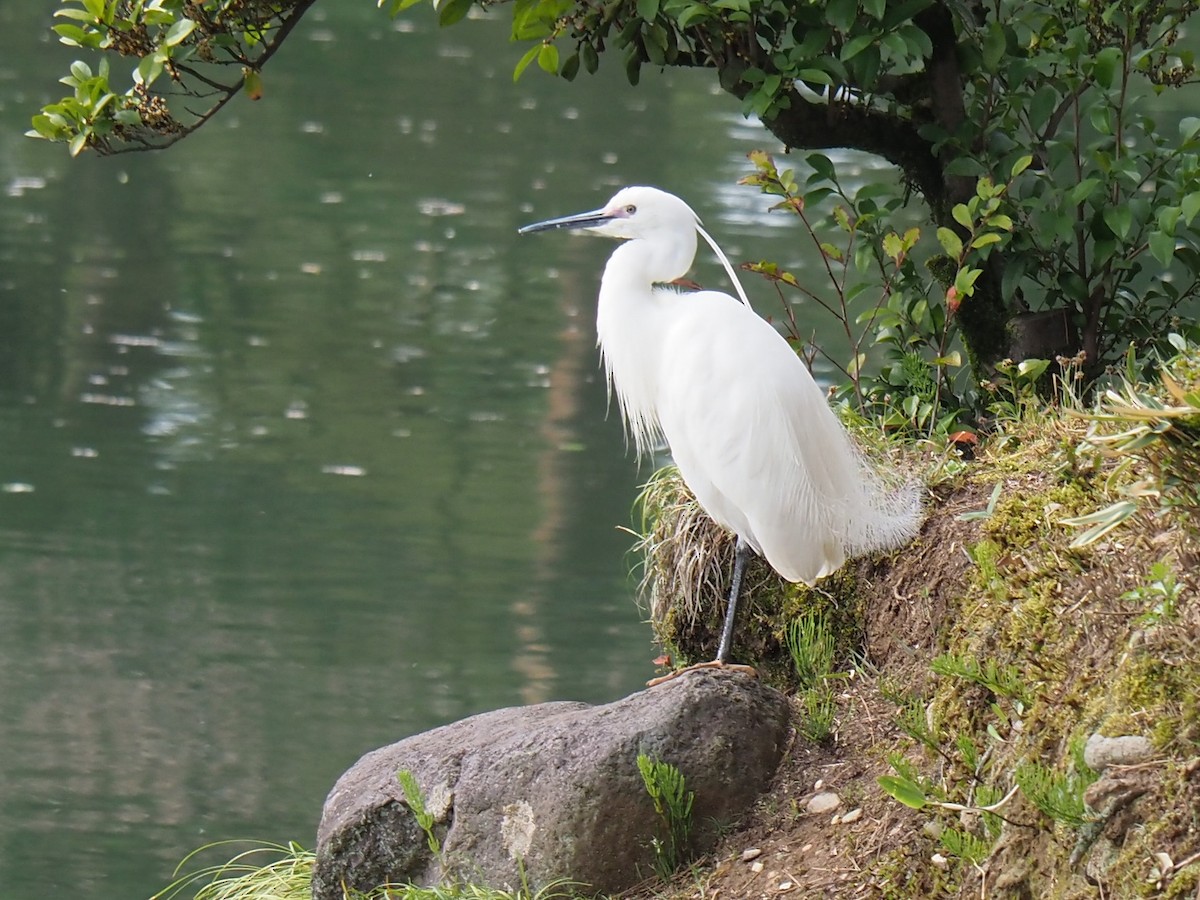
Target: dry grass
687 556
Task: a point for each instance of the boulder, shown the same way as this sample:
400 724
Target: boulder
552 789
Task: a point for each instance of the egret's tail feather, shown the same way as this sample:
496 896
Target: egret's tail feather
888 517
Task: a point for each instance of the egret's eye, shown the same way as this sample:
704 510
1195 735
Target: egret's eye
631 209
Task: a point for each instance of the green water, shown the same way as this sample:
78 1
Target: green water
302 449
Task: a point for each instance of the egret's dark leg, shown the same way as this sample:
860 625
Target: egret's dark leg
739 568
740 558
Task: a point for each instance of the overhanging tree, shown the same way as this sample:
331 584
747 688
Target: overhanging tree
1046 98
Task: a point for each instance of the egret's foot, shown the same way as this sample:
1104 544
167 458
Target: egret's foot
715 664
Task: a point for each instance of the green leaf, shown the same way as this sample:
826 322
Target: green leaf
895 45
1045 99
814 42
950 242
1119 219
1162 246
451 11
548 58
1102 118
570 67
633 68
148 70
918 40
71 35
252 84
814 76
856 45
1190 206
79 15
523 63
898 13
591 59
1105 66
694 13
841 13
1021 165
822 166
965 165
905 790
831 251
1082 191
81 70
43 127
647 9
395 7
985 239
1102 521
78 143
964 281
1033 369
995 45
178 32
865 66
1168 218
1189 126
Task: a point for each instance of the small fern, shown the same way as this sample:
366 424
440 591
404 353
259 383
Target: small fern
673 802
965 845
416 802
1058 796
1003 681
810 643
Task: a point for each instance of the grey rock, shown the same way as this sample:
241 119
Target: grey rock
1102 752
555 786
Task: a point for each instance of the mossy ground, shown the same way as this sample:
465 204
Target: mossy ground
1088 643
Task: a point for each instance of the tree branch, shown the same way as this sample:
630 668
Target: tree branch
138 141
822 126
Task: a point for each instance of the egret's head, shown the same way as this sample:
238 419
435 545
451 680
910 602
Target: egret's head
663 225
634 212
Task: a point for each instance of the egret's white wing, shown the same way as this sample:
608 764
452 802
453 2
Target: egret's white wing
755 439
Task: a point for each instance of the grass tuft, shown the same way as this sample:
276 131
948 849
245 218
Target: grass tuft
687 555
289 877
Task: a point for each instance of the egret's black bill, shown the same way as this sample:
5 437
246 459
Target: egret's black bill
580 220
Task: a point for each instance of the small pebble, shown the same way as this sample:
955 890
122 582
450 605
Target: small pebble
823 803
756 867
853 816
752 853
938 860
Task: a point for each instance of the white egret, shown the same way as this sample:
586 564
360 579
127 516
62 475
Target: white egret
749 429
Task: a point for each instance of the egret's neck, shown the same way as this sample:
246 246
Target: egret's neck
631 319
642 262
